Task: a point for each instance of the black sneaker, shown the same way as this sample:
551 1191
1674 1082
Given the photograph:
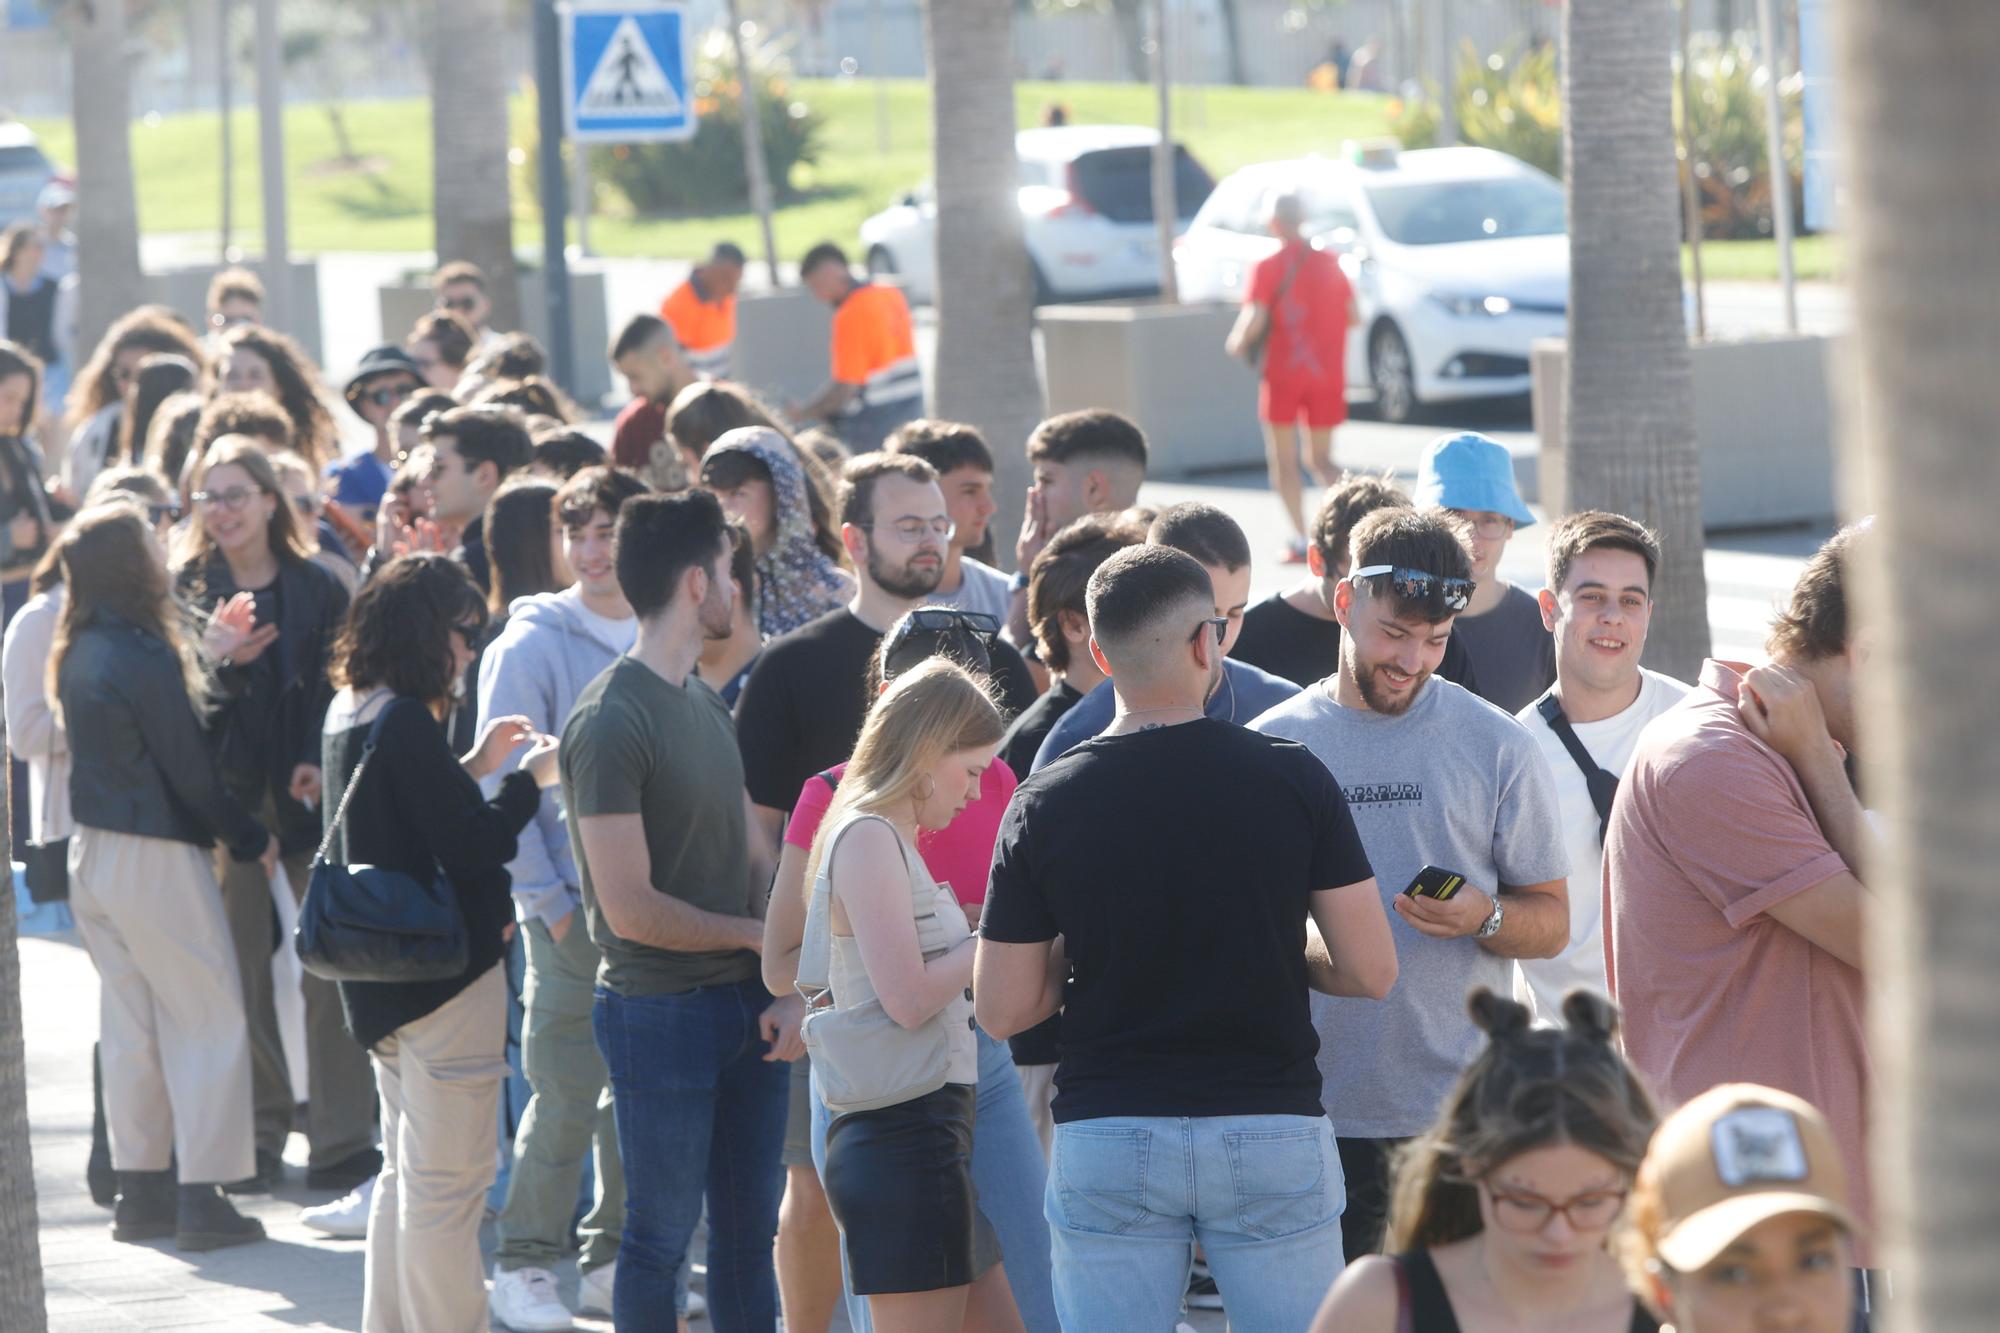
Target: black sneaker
1202 1293
270 1170
346 1174
144 1209
205 1220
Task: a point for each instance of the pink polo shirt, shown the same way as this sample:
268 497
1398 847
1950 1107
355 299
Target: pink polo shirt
960 854
1711 830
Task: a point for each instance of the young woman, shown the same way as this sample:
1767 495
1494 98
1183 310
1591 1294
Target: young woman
171 438
757 475
437 1046
899 1178
149 805
36 311
322 542
250 357
1501 1210
97 394
272 695
523 545
26 520
161 376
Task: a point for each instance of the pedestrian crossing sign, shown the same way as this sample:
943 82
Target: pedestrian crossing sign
625 73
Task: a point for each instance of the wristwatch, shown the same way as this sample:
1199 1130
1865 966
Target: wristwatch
1491 926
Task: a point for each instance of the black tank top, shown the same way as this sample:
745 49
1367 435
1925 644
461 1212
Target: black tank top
31 318
1424 1307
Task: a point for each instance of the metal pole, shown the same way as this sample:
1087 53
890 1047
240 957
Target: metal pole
1690 190
271 162
579 187
555 206
222 71
1166 210
1774 148
1447 74
755 169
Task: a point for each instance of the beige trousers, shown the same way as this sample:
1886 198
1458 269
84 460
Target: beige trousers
440 1081
176 1049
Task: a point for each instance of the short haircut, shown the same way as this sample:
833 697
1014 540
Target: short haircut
515 357
253 413
535 396
1093 434
458 270
421 404
235 284
1349 501
564 450
945 445
1598 530
594 489
453 337
490 434
1139 587
1061 574
660 538
1202 531
859 477
1422 539
639 333
1814 624
728 252
826 252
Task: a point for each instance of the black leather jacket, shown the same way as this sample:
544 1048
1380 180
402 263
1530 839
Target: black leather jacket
138 760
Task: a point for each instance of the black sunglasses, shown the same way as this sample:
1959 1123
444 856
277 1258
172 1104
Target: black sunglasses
934 619
1221 624
1421 585
388 397
463 305
162 513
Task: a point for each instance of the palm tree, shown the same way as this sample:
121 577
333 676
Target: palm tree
985 370
107 212
1629 407
1918 222
474 215
21 1291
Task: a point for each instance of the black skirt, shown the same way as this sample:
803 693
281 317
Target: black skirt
899 1183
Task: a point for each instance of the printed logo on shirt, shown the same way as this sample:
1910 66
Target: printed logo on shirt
1385 793
1758 1144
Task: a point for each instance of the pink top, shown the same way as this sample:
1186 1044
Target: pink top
1711 830
959 855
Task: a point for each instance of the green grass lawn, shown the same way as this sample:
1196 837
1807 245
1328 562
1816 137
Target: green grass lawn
1817 259
385 204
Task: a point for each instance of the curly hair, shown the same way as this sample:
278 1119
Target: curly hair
152 328
299 393
399 628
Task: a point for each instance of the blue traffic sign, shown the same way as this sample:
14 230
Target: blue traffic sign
625 73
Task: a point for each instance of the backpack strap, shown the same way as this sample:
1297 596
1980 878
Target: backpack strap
1602 785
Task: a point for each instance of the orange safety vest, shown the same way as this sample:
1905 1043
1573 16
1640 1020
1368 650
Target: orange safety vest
875 348
706 329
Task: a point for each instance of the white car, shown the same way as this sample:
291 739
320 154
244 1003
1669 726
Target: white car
1458 256
1086 209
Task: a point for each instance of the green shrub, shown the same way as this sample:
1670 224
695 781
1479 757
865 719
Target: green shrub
1512 105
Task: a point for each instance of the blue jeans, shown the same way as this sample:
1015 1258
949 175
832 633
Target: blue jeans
1009 1170
1129 1197
699 1112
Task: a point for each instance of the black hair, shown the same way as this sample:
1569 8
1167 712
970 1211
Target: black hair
726 469
486 434
945 445
639 333
1135 586
565 451
1422 539
660 538
595 488
728 252
826 252
1092 433
1202 531
858 478
399 626
908 644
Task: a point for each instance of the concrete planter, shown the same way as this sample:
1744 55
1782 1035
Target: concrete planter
185 288
403 304
1763 419
1163 366
784 344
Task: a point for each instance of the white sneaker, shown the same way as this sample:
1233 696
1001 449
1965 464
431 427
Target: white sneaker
593 1293
525 1300
697 1306
346 1217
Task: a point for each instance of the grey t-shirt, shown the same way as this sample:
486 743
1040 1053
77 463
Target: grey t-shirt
1456 783
1513 654
980 588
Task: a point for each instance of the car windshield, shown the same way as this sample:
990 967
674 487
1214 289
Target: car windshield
1443 212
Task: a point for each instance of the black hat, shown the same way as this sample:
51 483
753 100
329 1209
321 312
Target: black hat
379 361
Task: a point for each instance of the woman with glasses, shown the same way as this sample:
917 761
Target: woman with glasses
1501 1211
437 1046
757 475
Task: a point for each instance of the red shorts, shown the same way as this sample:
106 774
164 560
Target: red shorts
1323 403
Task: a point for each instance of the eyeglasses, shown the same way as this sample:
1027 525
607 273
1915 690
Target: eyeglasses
232 499
1221 624
461 305
158 514
390 396
1421 585
936 619
912 530
307 505
1526 1214
1492 527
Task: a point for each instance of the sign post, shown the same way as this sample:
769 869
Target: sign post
549 99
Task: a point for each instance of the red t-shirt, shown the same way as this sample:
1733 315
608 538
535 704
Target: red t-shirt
640 425
1308 339
959 855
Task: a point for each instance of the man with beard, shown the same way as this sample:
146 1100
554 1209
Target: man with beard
806 697
1435 777
674 899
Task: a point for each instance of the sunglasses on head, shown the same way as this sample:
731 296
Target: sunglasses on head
933 619
1421 585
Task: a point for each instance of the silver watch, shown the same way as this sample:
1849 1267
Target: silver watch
1491 926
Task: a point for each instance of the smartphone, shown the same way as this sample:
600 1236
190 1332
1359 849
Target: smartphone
1432 882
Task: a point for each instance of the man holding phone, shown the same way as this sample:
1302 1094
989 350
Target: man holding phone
1435 778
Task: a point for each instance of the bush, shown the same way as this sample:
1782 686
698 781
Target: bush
1512 105
705 173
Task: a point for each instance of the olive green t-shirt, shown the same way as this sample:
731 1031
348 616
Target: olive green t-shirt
635 744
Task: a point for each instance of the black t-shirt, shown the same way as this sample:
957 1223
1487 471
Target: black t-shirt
1177 864
1515 652
802 707
1285 641
1024 739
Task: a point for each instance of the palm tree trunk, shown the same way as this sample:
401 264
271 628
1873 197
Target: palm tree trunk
1629 411
107 211
1919 230
985 369
1166 206
22 1303
474 215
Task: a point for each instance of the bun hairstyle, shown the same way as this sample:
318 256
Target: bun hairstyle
1530 1088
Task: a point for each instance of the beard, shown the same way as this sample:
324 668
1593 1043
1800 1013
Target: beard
1378 697
906 581
715 615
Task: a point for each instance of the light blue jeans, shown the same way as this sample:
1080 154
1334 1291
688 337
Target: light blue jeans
1128 1199
1009 1171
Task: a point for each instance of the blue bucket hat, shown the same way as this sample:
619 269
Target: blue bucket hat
1470 471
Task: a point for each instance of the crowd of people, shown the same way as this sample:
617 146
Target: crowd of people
1051 950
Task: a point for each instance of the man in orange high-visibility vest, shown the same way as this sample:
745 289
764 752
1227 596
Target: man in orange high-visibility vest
877 384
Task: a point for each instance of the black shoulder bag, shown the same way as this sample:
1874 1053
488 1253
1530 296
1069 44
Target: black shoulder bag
1602 785
371 923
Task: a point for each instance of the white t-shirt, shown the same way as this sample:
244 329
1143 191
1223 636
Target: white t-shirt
980 588
1541 983
617 635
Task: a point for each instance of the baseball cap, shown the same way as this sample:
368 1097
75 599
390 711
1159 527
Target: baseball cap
1736 1156
56 194
1470 471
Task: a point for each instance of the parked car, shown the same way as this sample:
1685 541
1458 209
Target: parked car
24 170
1086 208
1459 259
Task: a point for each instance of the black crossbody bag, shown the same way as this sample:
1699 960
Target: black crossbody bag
1602 785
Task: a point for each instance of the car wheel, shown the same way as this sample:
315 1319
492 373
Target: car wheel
1393 375
881 264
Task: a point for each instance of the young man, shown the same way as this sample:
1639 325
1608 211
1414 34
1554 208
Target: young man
1435 777
475 449
1502 629
1734 911
460 288
1187 1104
553 646
702 312
379 385
725 663
1089 462
1214 540
235 296
1598 605
958 453
877 384
648 354
672 897
1293 634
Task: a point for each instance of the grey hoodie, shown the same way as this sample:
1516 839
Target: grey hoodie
542 660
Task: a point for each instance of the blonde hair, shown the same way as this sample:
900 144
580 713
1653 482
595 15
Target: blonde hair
932 710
